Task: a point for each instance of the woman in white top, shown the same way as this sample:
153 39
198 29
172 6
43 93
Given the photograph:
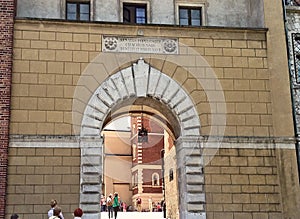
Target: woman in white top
56 213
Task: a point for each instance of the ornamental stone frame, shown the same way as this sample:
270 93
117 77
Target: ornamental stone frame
143 81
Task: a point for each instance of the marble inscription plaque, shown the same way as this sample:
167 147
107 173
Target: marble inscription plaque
139 45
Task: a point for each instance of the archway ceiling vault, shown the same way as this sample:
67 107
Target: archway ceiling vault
150 108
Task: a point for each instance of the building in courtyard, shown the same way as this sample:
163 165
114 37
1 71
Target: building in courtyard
213 77
129 151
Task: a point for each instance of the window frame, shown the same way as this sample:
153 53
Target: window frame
190 18
135 2
78 4
155 174
202 6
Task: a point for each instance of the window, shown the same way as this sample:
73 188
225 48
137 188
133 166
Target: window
171 175
296 54
78 11
134 13
190 16
135 179
155 179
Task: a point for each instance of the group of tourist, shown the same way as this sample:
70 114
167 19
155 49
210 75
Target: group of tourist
55 212
112 204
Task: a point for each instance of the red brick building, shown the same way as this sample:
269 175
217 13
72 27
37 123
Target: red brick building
6 53
147 143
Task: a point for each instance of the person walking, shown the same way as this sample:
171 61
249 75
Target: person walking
103 203
109 203
78 213
116 204
164 208
56 213
53 204
139 203
124 206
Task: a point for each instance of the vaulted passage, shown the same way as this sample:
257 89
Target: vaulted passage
136 85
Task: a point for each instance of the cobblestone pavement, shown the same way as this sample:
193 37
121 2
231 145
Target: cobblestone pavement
135 215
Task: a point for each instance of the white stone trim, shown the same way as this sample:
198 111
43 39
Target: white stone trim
44 145
145 166
139 81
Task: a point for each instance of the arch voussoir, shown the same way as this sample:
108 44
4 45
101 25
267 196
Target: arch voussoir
154 77
127 75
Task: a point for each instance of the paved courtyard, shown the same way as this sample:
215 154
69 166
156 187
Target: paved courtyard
135 215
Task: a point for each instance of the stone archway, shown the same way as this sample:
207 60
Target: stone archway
142 80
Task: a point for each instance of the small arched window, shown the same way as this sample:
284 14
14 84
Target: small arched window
136 179
155 179
171 175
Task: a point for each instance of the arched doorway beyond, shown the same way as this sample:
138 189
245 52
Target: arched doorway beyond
142 80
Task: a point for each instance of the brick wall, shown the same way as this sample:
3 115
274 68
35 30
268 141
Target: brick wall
49 59
6 37
243 183
37 175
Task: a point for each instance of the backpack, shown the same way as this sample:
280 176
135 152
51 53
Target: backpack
109 202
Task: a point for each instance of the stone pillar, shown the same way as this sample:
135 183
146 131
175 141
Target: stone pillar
91 176
6 37
190 178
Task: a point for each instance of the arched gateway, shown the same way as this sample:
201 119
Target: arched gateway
143 81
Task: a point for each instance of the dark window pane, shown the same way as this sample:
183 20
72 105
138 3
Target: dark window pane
84 17
134 13
78 11
71 8
140 20
195 14
71 16
71 11
126 15
84 8
140 12
190 16
184 22
140 15
183 13
196 23
84 12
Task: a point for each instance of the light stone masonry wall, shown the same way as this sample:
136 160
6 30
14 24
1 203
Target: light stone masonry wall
171 187
37 175
243 183
49 58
